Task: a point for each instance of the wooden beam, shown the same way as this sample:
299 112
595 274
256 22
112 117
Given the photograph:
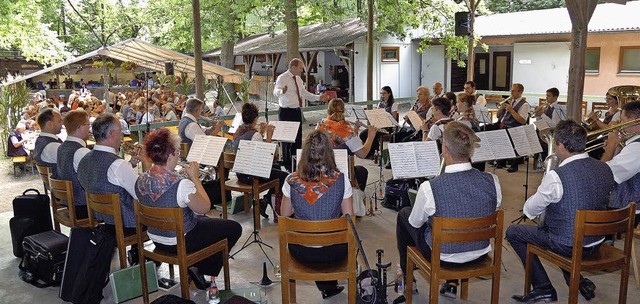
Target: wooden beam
580 12
248 63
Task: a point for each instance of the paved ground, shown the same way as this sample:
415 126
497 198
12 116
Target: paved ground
377 232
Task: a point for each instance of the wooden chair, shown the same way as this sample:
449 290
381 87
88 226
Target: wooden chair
44 172
110 204
65 215
583 105
458 230
634 256
235 185
172 219
184 150
599 106
315 233
592 223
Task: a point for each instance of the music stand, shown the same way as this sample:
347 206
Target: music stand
524 218
482 115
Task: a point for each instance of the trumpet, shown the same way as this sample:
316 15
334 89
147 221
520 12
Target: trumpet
504 103
595 140
206 173
133 149
591 124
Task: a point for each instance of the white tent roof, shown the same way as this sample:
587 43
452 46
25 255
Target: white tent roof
148 56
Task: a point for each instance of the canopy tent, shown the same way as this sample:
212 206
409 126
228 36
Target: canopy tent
148 56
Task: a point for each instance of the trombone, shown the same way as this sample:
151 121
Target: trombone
596 141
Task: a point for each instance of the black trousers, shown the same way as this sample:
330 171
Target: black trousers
521 235
289 149
208 231
408 235
276 173
327 254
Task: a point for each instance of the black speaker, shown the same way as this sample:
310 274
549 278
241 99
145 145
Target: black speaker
168 68
462 24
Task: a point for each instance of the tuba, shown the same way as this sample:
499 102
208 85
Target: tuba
625 93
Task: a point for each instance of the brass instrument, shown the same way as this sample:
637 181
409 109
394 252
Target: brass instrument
129 148
591 124
550 162
594 139
206 173
625 93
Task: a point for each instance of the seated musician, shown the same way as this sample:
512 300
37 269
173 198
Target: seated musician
343 137
476 194
611 117
434 129
625 164
16 144
464 106
550 112
387 102
422 107
317 191
561 192
247 131
46 146
70 153
189 126
101 171
161 186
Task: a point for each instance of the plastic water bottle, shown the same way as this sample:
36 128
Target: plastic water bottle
399 280
213 294
540 161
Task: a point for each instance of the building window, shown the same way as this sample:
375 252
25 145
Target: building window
592 61
390 54
629 59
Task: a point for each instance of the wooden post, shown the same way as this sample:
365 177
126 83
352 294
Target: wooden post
470 55
197 49
580 12
291 20
370 52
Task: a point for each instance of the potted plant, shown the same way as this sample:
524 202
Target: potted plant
128 66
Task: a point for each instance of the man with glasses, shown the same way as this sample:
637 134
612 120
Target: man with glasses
70 152
513 113
470 88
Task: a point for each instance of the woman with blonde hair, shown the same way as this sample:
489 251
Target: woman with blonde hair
343 136
317 191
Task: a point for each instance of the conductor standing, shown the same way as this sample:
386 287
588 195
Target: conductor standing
291 93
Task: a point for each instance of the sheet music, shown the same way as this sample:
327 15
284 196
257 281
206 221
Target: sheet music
341 157
414 159
237 121
493 145
380 118
414 119
482 114
354 113
254 158
285 131
542 124
206 150
525 140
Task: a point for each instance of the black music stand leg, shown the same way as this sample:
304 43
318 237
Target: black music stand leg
524 218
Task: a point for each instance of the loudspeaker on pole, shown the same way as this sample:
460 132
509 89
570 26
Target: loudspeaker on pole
168 68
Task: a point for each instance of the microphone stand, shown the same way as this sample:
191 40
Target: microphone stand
266 94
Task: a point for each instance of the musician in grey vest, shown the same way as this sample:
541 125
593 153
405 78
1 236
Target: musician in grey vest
514 112
625 164
317 191
460 192
550 112
189 127
46 146
101 171
161 186
562 191
70 153
248 131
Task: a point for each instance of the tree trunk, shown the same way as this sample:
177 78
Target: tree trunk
580 12
197 50
470 56
291 19
370 51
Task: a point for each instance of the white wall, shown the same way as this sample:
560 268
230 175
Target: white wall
540 66
434 67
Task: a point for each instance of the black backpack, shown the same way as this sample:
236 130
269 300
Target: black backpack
396 194
369 289
87 266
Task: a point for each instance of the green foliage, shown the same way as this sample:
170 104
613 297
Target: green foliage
186 83
12 99
507 6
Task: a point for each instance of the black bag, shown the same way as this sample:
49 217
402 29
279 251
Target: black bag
31 215
396 195
369 289
43 260
87 266
171 299
214 192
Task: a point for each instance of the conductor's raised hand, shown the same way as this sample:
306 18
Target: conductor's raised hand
324 97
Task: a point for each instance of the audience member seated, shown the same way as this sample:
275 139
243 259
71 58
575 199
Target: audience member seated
161 186
16 142
460 192
317 191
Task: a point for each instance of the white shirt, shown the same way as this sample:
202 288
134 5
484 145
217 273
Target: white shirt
80 153
436 131
120 172
147 117
218 111
425 207
193 128
524 109
625 165
185 188
558 115
290 98
480 100
50 152
348 191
